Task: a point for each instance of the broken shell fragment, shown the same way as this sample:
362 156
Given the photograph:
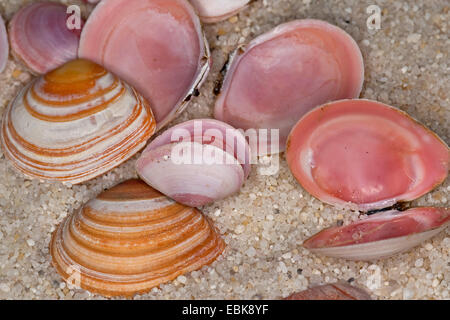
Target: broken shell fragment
335 291
40 37
75 123
365 155
130 239
196 162
283 74
155 45
4 45
211 11
381 235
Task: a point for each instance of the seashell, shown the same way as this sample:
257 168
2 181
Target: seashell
281 75
381 235
211 11
196 162
4 45
92 1
75 123
156 45
380 156
40 37
130 239
335 291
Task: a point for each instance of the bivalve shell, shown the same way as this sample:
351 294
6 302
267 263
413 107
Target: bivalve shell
196 162
365 155
130 239
4 45
281 75
156 45
381 235
75 123
40 37
211 11
335 291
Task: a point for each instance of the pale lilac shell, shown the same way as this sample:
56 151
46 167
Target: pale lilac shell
218 162
40 37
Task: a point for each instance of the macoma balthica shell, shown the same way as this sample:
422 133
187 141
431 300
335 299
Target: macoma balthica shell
157 46
281 75
4 45
130 239
75 123
40 36
211 11
196 162
368 156
335 291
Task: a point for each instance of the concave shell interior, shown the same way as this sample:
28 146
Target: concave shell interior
365 155
40 37
279 76
155 45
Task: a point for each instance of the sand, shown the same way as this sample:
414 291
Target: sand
406 65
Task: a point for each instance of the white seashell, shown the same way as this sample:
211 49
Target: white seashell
211 11
196 166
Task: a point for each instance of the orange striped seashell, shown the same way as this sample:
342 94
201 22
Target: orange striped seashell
75 123
130 239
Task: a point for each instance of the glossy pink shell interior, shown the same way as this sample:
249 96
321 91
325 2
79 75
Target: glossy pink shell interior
365 153
286 72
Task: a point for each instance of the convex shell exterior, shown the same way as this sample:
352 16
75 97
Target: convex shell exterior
130 239
196 162
75 123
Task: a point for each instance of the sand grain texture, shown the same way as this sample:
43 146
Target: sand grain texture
406 65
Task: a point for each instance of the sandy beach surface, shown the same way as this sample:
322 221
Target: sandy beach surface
406 65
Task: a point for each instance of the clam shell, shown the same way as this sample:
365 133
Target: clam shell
40 38
196 162
4 45
365 155
281 75
381 235
335 291
211 11
75 123
130 239
156 45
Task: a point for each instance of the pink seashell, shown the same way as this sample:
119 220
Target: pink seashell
365 155
4 45
381 235
196 162
211 11
156 45
40 37
335 291
283 74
